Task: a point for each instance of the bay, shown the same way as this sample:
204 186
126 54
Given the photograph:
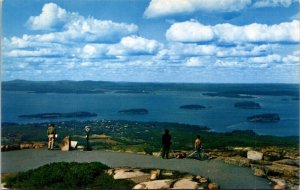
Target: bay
163 106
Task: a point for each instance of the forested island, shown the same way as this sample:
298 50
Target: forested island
137 111
192 107
268 117
247 105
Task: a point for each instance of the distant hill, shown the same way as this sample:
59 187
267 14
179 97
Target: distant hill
223 90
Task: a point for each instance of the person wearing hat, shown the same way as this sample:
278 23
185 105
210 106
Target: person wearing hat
51 136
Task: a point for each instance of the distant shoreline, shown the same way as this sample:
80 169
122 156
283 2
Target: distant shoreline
150 82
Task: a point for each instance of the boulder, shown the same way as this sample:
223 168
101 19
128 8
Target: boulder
110 172
26 146
10 147
201 179
166 173
279 186
185 184
237 160
282 170
276 180
254 155
156 184
127 173
74 144
154 174
258 171
66 144
38 145
272 155
290 162
212 186
157 154
80 147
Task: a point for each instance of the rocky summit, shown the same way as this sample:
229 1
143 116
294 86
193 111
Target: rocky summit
162 179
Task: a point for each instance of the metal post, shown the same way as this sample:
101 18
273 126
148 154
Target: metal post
87 130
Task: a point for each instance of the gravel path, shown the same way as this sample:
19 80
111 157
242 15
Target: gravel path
227 176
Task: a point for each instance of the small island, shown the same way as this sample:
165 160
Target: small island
137 111
59 115
131 92
247 105
227 95
192 107
268 117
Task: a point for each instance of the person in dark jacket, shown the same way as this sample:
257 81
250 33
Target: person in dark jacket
166 144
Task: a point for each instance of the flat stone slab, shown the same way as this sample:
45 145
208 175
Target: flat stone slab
185 184
156 184
127 173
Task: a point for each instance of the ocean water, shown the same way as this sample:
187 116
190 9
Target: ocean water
163 105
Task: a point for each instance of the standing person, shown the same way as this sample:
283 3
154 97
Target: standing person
51 136
198 147
166 143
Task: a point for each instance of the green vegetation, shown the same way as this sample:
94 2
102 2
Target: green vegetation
63 175
140 136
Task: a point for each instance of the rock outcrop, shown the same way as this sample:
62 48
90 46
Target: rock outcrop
157 184
22 146
279 165
127 173
161 179
66 144
185 184
254 155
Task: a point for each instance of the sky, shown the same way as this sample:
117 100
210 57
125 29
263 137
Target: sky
189 41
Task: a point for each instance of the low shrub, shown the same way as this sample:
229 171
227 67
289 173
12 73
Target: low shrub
63 175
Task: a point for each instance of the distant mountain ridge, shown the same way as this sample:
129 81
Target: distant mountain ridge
97 87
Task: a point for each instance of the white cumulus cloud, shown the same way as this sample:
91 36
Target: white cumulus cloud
74 27
52 16
273 3
130 45
190 31
158 8
272 58
194 62
135 45
193 31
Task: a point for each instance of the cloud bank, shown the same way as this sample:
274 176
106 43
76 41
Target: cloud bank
67 45
160 8
193 31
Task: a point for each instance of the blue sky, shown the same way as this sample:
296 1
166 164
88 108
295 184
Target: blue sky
215 41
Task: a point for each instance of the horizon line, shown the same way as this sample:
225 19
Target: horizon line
156 82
